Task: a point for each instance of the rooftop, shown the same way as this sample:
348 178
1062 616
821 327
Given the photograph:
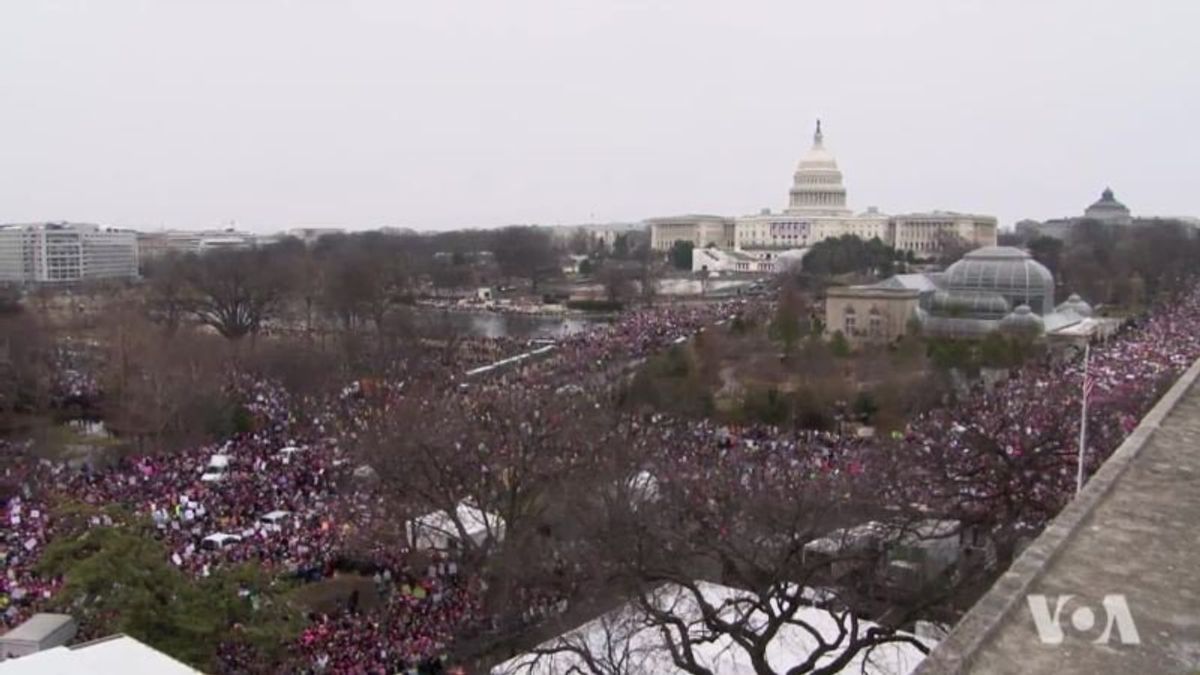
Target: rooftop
917 282
117 654
686 217
38 626
1129 540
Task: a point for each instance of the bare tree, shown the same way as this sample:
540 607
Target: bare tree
648 272
451 275
772 535
949 247
618 280
1002 475
304 278
236 291
516 459
499 452
525 253
168 295
368 277
161 390
26 350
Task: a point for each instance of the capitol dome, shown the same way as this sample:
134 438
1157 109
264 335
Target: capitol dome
817 188
818 157
1006 271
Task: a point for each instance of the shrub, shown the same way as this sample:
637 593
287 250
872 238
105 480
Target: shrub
595 305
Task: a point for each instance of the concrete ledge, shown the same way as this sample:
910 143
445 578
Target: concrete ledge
954 655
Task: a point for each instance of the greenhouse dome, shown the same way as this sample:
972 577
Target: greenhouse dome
1009 272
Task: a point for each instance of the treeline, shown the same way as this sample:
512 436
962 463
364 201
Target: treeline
354 280
1126 266
160 352
849 254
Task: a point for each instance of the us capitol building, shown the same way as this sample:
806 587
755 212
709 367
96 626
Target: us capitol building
817 211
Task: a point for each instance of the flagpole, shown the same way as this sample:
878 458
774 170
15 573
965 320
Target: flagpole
1087 348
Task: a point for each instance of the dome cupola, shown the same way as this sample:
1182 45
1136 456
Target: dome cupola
1077 305
1108 210
1022 321
817 187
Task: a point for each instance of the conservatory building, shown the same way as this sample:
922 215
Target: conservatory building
995 288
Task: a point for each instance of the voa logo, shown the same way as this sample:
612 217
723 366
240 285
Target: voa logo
1114 611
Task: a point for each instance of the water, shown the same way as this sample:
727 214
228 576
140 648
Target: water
496 325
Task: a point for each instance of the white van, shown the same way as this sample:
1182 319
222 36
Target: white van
218 541
273 521
218 467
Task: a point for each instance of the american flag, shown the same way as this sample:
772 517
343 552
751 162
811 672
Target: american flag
1089 383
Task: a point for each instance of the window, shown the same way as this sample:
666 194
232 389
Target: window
875 323
850 322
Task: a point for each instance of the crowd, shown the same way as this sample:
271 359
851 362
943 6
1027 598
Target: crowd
74 373
292 498
1020 439
24 533
1003 455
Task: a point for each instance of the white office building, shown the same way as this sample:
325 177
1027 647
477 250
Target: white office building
155 244
66 253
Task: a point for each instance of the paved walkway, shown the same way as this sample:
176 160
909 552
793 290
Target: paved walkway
1135 532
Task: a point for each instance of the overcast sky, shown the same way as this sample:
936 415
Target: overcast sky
450 113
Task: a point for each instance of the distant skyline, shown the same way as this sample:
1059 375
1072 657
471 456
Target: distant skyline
289 113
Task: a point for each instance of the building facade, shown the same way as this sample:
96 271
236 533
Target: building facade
700 230
870 314
724 261
991 289
1106 210
926 234
818 210
66 253
152 245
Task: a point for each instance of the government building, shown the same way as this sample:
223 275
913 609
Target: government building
1107 211
66 253
817 210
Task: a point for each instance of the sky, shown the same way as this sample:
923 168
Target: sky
363 113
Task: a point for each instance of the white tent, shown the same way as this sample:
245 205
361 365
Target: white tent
115 654
438 530
622 642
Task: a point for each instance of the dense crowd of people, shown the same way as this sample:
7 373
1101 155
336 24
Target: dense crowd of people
1004 455
291 497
